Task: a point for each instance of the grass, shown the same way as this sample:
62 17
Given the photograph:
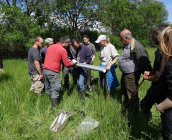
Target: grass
28 116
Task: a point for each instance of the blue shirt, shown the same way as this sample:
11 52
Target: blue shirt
84 55
42 54
126 63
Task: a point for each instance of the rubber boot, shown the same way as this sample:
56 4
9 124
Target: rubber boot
54 103
83 95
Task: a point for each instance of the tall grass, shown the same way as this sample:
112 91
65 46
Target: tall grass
25 115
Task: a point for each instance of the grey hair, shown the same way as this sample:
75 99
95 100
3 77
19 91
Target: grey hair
129 35
48 40
64 38
160 27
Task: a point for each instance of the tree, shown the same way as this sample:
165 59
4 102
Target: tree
133 15
76 14
17 32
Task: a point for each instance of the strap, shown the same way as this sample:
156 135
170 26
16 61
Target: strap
132 44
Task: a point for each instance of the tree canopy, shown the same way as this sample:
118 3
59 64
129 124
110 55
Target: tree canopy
22 20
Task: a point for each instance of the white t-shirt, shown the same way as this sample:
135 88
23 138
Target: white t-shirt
110 54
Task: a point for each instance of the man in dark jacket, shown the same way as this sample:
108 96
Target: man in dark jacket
134 61
153 76
83 55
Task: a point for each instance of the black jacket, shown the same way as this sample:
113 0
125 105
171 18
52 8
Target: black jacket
164 88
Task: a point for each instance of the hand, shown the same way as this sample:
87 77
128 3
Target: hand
102 56
108 67
145 77
158 107
2 70
91 62
41 77
84 63
74 61
147 73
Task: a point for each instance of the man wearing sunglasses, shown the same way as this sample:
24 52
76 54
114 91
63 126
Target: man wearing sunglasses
34 66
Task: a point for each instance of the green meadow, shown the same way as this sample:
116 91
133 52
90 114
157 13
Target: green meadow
28 116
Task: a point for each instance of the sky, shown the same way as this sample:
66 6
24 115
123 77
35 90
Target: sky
168 4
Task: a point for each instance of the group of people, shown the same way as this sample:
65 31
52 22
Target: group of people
134 60
47 72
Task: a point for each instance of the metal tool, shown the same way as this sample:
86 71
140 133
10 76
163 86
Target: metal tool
92 67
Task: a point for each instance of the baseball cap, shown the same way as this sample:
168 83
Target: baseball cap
100 38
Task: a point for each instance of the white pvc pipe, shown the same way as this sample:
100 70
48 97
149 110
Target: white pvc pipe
92 67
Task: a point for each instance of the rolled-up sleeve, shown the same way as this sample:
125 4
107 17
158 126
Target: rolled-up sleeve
114 53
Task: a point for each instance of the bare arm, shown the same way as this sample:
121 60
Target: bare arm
152 78
92 59
38 68
164 105
113 62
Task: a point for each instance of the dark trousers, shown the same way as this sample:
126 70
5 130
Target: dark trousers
166 119
148 101
66 72
103 80
129 84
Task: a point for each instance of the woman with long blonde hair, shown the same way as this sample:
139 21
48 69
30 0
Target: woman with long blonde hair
164 99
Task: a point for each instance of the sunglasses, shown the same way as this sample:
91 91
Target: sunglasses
41 43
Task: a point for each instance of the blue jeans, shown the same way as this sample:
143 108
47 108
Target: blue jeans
52 83
80 77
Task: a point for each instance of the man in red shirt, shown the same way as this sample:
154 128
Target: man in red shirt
55 55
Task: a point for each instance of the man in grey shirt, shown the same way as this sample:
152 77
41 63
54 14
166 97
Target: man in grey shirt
34 66
134 60
93 52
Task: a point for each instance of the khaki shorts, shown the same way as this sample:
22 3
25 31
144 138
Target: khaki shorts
37 85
